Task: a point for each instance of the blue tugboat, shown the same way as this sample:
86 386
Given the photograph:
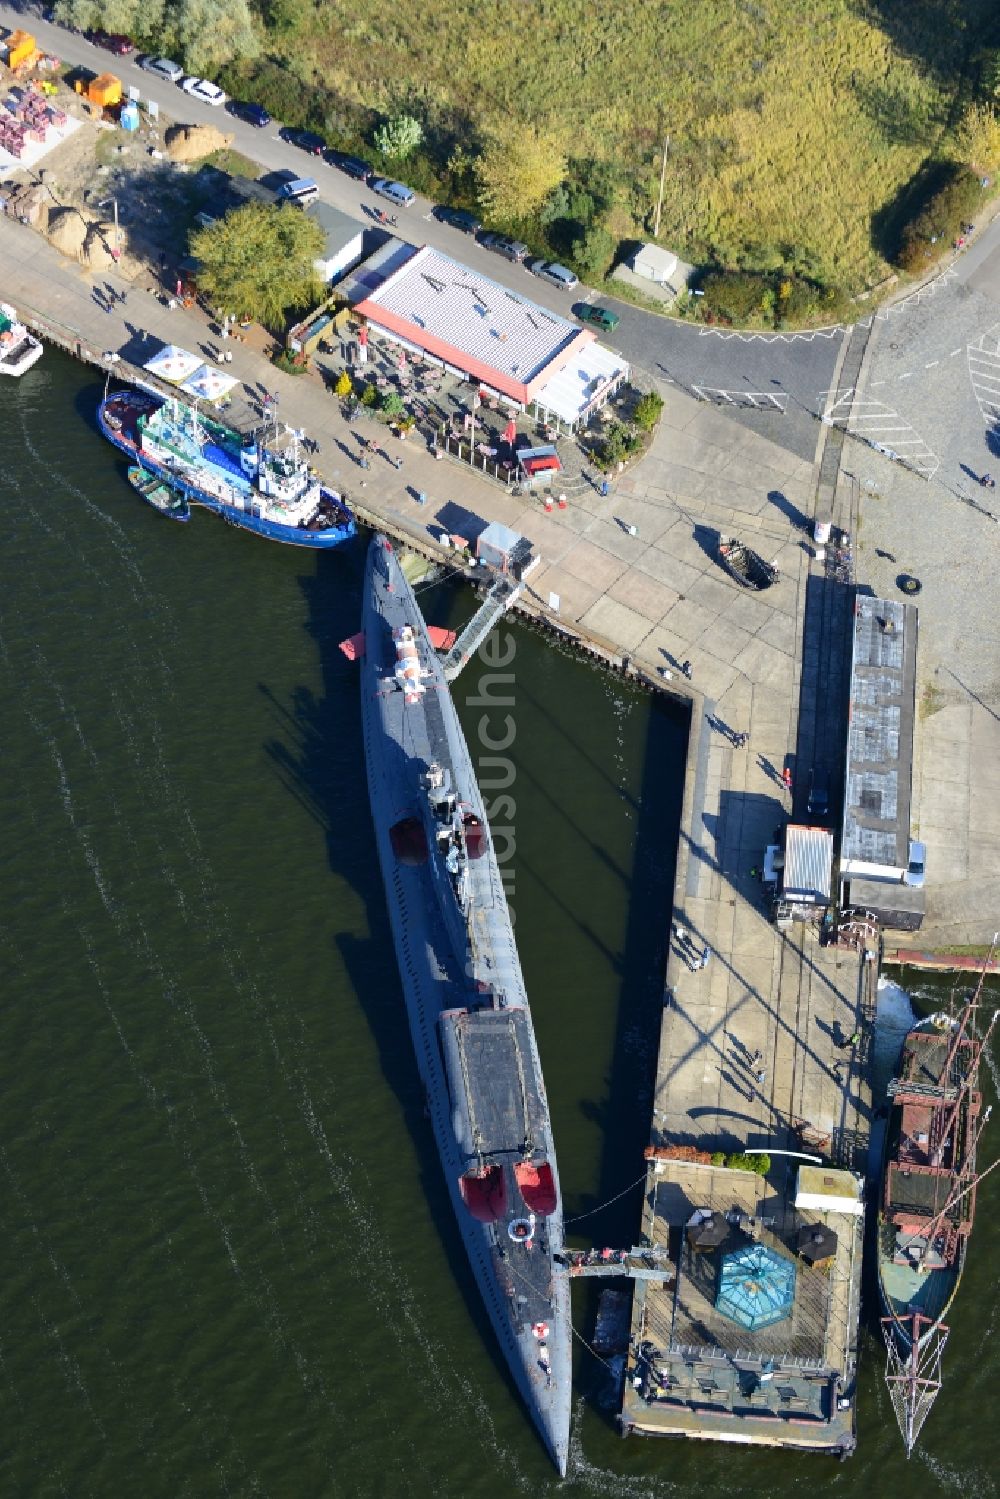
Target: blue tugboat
258 481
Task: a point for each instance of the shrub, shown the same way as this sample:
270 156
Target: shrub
344 385
593 251
735 296
369 395
934 227
292 364
618 442
718 1158
398 138
392 404
759 1164
647 410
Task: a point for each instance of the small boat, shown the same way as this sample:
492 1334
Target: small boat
256 480
19 349
158 493
747 567
928 1202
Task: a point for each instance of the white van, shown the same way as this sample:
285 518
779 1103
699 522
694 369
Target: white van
301 191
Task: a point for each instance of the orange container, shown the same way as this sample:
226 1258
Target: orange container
105 90
20 47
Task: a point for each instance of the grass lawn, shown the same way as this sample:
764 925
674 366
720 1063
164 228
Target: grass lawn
791 125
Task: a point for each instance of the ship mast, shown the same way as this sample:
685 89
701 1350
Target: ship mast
913 1381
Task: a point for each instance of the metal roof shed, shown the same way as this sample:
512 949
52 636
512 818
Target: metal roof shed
808 873
654 263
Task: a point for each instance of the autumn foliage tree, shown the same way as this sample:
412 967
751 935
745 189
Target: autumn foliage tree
977 139
260 261
517 169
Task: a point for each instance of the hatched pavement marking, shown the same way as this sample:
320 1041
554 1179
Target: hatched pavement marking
881 427
984 372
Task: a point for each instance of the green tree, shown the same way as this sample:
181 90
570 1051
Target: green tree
136 18
211 33
593 251
345 385
647 410
392 404
260 261
399 137
519 167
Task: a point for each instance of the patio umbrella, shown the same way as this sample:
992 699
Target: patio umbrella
209 384
173 364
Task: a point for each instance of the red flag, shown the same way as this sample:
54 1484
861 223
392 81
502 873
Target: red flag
354 646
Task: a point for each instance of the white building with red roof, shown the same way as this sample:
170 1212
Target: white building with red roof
530 358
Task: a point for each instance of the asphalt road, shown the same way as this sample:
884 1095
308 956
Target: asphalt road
773 384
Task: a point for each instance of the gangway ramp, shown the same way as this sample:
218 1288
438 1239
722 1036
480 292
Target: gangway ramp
502 595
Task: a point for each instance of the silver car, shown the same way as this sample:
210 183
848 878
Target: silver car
172 72
550 270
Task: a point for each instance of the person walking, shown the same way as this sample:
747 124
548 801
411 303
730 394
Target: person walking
786 778
687 669
705 958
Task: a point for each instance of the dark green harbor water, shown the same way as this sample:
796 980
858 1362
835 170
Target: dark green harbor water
227 1260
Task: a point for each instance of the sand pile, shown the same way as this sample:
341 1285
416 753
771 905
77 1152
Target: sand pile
68 231
192 142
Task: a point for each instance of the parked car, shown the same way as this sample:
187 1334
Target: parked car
550 270
396 192
200 88
502 244
301 190
458 218
306 140
916 868
818 800
254 114
352 165
111 41
172 72
600 317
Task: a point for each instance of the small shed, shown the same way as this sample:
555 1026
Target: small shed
898 906
502 549
654 263
539 465
345 240
105 90
807 876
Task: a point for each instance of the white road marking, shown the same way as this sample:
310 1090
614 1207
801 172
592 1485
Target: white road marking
881 427
770 338
984 372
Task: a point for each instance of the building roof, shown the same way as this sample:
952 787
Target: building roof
808 868
474 324
580 381
880 741
656 263
339 228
